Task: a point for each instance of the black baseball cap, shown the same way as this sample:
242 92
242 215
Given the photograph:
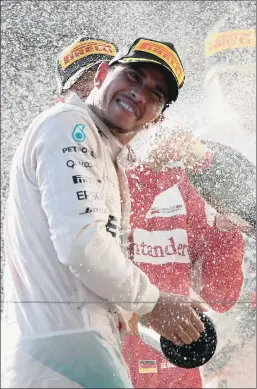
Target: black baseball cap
83 54
160 53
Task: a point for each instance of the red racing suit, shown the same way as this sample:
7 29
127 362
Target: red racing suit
172 230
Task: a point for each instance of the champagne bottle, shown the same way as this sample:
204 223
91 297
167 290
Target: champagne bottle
188 356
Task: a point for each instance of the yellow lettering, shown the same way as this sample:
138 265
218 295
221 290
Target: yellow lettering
229 40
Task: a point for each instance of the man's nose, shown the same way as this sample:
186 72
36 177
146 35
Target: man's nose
139 94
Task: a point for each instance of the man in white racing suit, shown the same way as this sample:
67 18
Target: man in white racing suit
66 224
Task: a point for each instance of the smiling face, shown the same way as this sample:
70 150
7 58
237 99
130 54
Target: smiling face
130 96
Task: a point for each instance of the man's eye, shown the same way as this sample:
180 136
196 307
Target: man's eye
158 95
134 76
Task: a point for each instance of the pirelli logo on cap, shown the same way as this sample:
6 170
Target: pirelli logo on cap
166 54
85 48
147 366
229 40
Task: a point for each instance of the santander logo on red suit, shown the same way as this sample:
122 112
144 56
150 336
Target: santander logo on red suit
159 247
165 246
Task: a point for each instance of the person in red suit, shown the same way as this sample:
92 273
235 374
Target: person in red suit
173 230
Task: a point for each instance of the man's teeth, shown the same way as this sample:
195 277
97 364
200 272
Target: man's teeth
126 106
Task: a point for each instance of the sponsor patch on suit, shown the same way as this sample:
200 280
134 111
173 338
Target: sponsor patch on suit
159 247
147 366
168 203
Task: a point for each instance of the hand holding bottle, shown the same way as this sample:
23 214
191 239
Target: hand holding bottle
174 317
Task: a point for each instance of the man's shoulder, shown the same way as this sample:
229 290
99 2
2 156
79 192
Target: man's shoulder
60 112
61 119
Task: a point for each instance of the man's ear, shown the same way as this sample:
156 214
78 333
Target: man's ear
159 119
101 73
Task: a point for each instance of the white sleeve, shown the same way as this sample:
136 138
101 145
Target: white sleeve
81 241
